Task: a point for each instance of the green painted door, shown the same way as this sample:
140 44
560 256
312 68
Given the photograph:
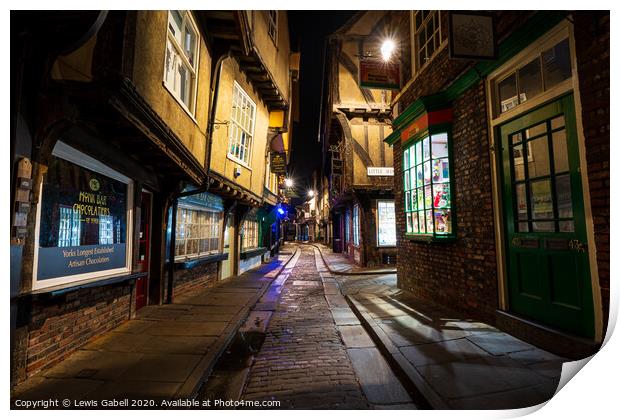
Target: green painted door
548 271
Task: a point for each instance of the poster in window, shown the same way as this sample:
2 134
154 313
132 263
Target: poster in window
83 222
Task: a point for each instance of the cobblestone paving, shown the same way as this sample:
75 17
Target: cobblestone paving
303 362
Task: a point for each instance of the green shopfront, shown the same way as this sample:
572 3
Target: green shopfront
494 213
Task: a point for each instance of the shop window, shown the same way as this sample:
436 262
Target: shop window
241 130
198 232
250 234
356 225
386 223
83 214
427 38
428 187
272 25
545 71
180 72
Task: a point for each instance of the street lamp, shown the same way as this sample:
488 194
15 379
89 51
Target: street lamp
310 193
288 182
387 49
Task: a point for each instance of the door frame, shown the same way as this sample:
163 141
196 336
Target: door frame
556 34
149 244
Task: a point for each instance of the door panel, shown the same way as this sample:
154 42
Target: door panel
548 272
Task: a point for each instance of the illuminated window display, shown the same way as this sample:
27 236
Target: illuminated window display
82 220
386 223
427 187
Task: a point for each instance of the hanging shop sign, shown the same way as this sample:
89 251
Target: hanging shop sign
378 74
82 222
380 171
277 163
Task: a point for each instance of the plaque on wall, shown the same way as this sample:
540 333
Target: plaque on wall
472 35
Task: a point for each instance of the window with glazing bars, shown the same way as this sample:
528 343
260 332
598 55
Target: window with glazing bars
241 129
181 57
69 227
427 187
198 232
106 230
250 234
541 178
427 35
272 24
548 69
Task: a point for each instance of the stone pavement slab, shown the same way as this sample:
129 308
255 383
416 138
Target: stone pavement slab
378 382
442 352
355 336
453 361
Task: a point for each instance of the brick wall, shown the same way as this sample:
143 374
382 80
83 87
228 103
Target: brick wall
198 276
60 326
592 46
461 274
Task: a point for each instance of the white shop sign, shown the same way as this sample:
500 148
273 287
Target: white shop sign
378 171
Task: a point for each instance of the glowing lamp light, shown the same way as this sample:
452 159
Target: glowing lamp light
311 193
288 182
387 49
280 211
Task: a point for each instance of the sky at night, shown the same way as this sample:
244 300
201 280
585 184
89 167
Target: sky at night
309 30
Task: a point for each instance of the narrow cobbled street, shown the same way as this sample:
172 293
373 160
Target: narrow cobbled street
304 362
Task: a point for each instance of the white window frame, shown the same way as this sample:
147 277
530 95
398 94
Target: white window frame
418 67
379 223
68 153
250 225
188 20
235 125
272 25
217 228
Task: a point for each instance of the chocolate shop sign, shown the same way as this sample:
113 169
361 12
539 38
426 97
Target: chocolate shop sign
83 223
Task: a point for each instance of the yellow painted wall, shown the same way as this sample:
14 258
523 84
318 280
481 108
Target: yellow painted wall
252 178
276 57
150 52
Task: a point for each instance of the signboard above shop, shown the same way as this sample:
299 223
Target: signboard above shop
278 163
380 171
378 74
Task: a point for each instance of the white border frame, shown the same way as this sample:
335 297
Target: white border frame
63 151
552 37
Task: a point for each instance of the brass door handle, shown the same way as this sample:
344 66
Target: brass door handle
577 246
